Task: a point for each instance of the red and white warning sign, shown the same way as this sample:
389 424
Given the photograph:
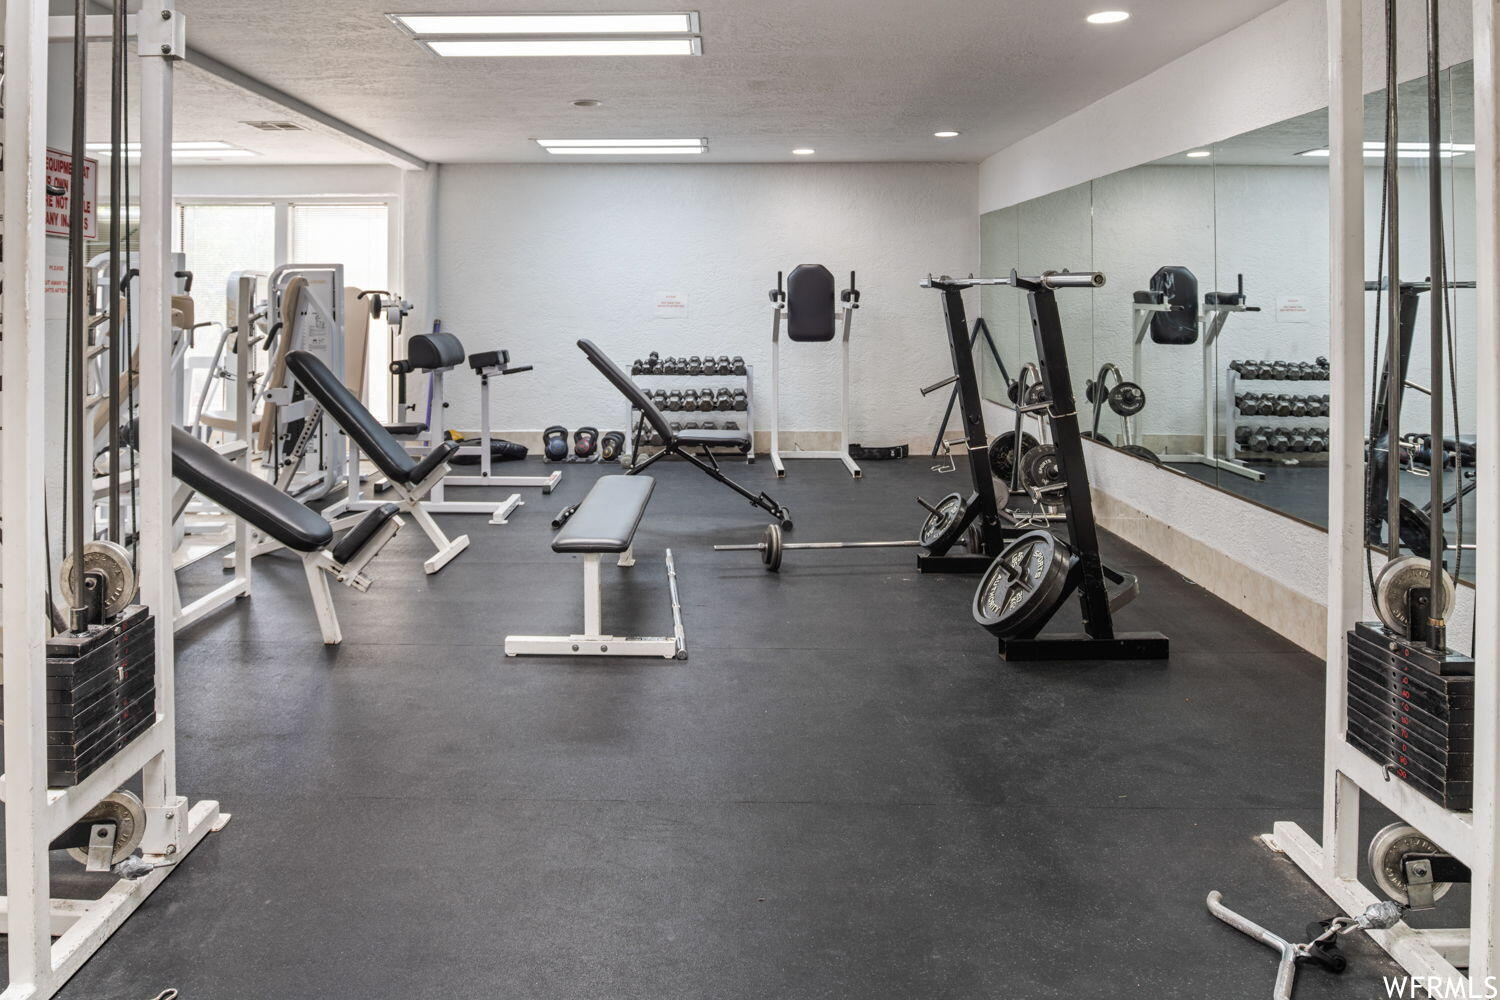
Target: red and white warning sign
60 175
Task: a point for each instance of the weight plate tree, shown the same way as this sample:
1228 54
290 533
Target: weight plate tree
1099 641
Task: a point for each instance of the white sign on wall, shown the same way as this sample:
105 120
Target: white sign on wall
1291 309
60 175
671 305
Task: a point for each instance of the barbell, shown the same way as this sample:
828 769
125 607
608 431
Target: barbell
939 530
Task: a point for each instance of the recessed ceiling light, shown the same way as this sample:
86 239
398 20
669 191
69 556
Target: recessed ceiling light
587 102
495 35
945 134
494 47
1198 154
804 151
548 24
1108 17
624 147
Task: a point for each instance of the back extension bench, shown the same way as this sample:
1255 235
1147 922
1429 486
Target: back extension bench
294 525
677 442
410 479
605 523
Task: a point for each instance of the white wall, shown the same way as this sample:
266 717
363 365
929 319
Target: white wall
532 258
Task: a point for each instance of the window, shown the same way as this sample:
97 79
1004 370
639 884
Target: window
356 236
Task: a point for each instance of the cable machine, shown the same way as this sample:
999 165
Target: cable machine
70 797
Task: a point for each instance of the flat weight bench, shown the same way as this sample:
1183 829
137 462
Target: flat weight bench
605 523
676 442
295 525
411 479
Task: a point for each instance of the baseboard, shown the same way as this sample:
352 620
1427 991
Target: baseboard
1301 619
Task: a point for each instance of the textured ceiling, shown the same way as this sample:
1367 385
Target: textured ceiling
859 80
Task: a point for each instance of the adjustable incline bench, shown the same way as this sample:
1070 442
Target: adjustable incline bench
410 479
293 524
676 442
605 523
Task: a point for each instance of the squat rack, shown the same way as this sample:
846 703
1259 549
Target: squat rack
34 813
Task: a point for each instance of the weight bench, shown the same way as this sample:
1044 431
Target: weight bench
676 442
295 525
605 524
411 479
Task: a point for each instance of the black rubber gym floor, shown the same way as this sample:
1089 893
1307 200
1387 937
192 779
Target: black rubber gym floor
841 793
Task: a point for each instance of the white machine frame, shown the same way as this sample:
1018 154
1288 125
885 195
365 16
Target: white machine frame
1211 320
433 436
592 641
1471 837
34 813
845 318
318 328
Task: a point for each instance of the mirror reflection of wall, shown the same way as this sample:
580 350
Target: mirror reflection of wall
1256 206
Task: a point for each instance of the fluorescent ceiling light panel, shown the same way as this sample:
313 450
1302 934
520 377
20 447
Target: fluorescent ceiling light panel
1108 17
624 147
495 47
177 147
548 24
1404 150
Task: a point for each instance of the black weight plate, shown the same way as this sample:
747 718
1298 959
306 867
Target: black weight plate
1003 455
1092 436
1041 467
941 530
1024 586
1127 399
1036 395
1416 530
1141 451
771 553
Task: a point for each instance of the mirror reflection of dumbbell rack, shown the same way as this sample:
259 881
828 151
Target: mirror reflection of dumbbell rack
1270 426
742 393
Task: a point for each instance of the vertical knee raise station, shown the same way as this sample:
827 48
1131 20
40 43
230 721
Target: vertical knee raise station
605 524
807 300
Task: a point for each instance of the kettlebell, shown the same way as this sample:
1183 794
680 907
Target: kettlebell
555 443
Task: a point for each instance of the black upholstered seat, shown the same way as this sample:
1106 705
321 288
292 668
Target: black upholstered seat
246 495
427 352
345 409
712 437
607 518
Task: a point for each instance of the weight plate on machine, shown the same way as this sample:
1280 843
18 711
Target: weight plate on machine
1416 530
1141 451
974 539
1036 395
771 548
125 811
1024 586
1092 436
1003 457
1395 581
1127 399
1385 853
943 528
112 561
1041 467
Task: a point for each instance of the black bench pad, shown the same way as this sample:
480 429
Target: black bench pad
349 413
355 538
741 438
607 518
246 495
430 351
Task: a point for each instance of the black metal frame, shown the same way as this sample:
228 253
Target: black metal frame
1099 641
980 328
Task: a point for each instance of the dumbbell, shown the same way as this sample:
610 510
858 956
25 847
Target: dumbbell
709 366
710 425
1246 402
1283 405
1247 369
1260 439
674 399
675 425
691 425
1278 370
737 365
726 365
1280 440
741 401
1299 405
1323 403
637 367
695 365
1298 439
1242 435
724 399
653 363
707 400
731 425
1321 442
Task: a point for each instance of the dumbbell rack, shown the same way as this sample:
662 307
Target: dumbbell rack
1233 419
650 382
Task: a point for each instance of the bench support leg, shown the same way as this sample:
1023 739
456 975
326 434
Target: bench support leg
592 641
322 600
447 549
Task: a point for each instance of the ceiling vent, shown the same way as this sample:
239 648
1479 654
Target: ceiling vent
275 126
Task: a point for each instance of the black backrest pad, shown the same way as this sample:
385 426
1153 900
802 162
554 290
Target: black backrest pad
628 388
350 414
429 351
1179 288
810 303
246 495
